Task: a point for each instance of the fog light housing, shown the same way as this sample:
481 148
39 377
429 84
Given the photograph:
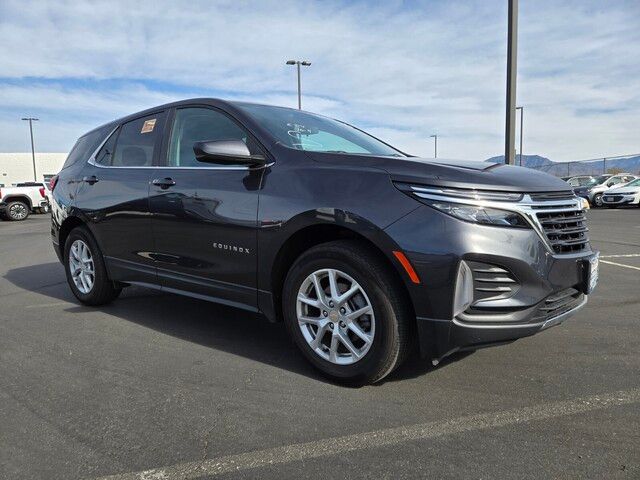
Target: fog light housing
463 296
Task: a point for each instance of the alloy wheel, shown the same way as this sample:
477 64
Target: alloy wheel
18 211
335 316
81 266
598 200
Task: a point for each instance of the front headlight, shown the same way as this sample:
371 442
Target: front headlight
584 203
476 206
477 214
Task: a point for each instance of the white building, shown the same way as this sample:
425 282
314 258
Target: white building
18 167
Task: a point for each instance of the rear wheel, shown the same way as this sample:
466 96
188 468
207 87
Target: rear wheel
86 271
346 313
17 210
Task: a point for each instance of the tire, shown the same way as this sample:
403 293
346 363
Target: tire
17 211
597 200
388 326
102 290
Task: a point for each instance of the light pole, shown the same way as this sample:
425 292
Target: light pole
33 150
521 122
298 63
512 59
435 146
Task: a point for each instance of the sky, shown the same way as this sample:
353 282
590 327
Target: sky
402 70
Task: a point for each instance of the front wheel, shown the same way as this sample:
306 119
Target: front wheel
347 313
86 271
597 200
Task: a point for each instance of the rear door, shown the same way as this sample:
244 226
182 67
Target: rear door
113 194
205 215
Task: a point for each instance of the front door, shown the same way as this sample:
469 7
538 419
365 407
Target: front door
204 215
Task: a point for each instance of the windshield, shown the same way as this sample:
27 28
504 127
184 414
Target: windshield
598 180
315 133
634 183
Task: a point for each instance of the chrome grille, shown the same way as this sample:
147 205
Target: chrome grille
566 230
544 196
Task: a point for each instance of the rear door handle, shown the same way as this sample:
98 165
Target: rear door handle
164 183
90 179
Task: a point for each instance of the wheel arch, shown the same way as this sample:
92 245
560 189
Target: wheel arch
66 227
18 197
310 235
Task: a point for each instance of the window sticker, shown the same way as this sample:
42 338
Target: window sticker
148 126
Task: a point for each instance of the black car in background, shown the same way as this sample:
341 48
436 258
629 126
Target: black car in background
365 252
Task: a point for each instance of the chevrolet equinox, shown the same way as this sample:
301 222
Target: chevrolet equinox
363 251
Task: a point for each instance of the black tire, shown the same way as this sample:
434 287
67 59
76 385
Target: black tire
597 200
17 210
104 290
393 338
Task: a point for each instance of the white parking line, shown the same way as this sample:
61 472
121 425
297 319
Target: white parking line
619 264
628 255
381 438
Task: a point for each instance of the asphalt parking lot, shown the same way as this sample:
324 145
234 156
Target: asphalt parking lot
191 389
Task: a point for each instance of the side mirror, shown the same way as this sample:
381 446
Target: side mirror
226 152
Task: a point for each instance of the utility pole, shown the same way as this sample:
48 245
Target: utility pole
435 146
298 63
33 150
521 122
512 68
604 165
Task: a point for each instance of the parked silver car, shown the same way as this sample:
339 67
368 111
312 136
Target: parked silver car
628 194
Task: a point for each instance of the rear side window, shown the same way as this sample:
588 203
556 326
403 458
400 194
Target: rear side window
105 155
136 142
86 145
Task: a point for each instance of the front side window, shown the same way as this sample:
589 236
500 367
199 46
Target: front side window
198 124
135 143
315 133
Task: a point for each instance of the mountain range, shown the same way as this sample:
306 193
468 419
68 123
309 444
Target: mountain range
563 169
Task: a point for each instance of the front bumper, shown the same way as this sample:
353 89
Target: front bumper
620 199
530 279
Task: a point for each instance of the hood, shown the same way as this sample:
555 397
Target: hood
453 173
623 189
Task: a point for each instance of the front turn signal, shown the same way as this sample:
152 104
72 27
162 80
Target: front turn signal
406 264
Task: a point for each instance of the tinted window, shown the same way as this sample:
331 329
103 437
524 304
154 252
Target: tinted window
105 155
193 125
136 142
307 131
86 145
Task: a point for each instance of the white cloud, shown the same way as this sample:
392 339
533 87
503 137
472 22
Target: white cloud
403 71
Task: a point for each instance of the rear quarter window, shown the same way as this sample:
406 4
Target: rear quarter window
86 145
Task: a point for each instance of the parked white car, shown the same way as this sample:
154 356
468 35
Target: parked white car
16 203
628 194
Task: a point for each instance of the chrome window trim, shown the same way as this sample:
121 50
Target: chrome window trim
526 207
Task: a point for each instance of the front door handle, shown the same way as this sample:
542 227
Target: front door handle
90 179
164 183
